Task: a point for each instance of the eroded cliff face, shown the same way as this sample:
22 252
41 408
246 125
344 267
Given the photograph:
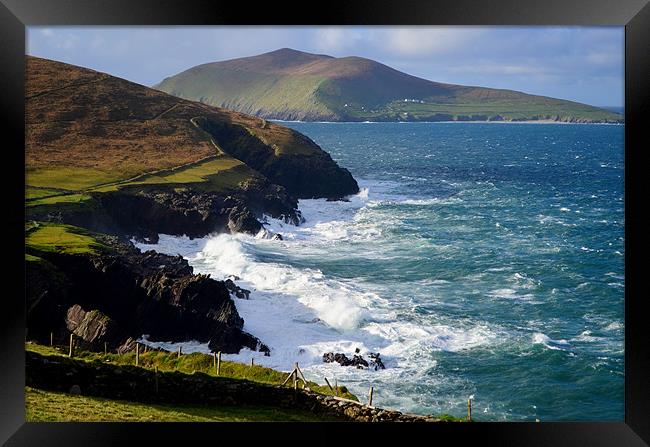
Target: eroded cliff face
121 294
145 214
297 163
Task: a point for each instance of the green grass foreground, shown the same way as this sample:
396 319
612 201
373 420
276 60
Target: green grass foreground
48 406
190 363
59 238
44 405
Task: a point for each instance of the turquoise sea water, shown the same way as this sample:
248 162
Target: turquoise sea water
481 260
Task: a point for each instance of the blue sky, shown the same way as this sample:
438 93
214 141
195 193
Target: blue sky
583 64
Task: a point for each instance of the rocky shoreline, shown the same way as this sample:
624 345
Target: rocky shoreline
118 294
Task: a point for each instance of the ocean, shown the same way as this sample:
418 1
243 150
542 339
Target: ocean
482 260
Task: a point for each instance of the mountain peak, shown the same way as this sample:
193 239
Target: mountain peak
295 53
278 61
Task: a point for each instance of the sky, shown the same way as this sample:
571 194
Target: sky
584 64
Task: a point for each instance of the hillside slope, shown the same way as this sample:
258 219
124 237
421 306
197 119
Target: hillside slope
108 154
293 85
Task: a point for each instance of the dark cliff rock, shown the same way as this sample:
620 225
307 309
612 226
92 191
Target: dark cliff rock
356 360
306 171
93 328
145 214
313 177
109 297
240 293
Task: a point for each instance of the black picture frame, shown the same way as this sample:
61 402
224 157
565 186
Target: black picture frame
15 15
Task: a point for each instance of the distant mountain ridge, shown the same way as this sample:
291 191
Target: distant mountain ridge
288 84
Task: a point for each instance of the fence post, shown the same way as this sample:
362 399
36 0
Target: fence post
214 361
302 376
336 386
328 384
71 346
180 351
137 354
156 377
51 339
105 348
219 363
370 396
469 410
252 361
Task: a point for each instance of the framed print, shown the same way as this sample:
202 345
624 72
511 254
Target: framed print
424 213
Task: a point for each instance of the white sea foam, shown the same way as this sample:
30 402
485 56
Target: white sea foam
587 337
188 347
614 326
519 282
431 201
503 293
543 339
554 220
300 312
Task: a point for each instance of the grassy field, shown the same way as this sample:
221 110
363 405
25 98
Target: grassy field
59 238
37 193
217 174
71 178
49 406
53 187
189 363
74 199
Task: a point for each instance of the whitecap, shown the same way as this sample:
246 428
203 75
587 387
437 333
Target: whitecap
614 326
543 339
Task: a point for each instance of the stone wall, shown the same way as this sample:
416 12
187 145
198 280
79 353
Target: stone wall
133 383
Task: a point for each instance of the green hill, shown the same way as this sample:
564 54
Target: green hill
293 85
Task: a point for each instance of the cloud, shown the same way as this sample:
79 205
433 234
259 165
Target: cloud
329 39
51 38
604 58
418 41
339 40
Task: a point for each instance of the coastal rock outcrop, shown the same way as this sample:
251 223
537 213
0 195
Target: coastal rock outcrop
300 166
357 360
122 293
93 328
234 289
